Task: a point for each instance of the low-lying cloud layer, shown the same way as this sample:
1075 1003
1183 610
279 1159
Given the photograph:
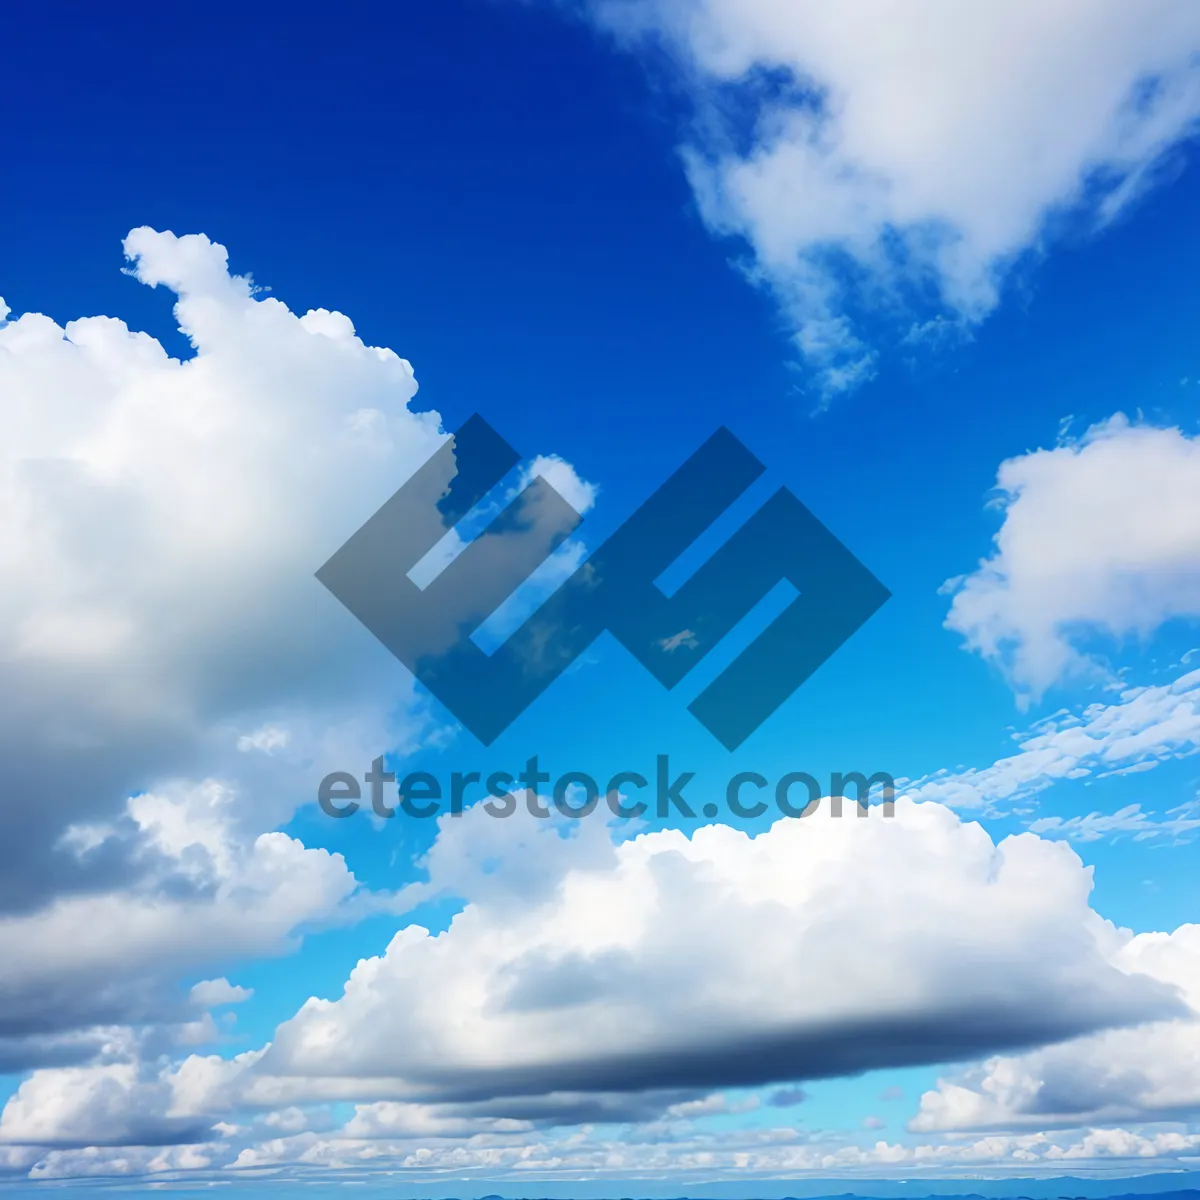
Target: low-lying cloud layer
588 980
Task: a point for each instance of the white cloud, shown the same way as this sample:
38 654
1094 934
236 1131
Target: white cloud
265 740
714 1104
883 152
561 475
388 1118
1179 823
94 1105
205 893
1146 726
1147 1073
98 1162
163 519
819 947
213 992
1100 535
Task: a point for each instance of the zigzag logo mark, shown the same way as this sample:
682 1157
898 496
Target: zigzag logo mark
430 629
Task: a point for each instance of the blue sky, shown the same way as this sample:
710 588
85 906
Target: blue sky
953 315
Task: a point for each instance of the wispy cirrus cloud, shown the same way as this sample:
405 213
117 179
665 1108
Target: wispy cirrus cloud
1145 726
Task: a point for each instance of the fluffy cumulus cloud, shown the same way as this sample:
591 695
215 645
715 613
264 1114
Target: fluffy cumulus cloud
720 959
96 1106
1100 535
886 155
202 894
163 518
